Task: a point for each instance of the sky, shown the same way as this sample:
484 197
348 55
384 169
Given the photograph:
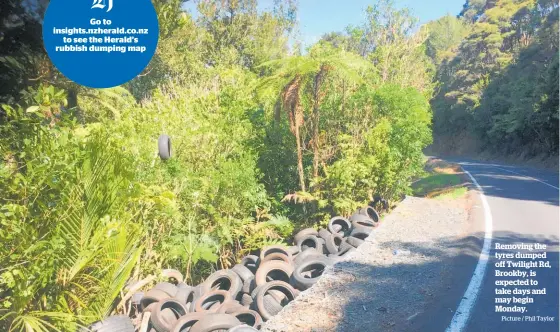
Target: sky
317 17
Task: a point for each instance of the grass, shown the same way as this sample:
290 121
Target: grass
441 180
453 194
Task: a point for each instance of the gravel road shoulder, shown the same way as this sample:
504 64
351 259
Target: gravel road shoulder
393 279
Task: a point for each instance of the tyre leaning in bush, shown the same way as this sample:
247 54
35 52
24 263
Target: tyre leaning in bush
164 147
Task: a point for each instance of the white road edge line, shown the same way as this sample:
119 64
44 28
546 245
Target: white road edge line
529 177
463 312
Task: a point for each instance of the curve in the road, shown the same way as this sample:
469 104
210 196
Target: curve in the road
463 312
502 192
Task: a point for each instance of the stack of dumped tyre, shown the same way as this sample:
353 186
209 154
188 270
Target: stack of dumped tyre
251 292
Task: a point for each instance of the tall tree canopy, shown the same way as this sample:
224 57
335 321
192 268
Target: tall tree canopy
499 88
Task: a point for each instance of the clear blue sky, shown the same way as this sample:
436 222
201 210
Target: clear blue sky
317 17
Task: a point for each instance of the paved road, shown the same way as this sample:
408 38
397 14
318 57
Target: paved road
523 204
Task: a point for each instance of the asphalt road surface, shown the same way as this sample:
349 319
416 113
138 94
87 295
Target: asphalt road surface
521 208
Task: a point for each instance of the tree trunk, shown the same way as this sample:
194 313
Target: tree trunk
316 117
73 104
315 141
299 159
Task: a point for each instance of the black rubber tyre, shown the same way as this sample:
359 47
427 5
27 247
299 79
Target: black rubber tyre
309 242
186 296
160 320
370 212
304 255
348 252
324 234
360 220
354 242
187 321
164 147
255 291
246 300
167 287
225 280
344 226
271 305
361 232
315 265
333 243
111 324
344 247
278 256
294 250
277 295
277 249
183 285
282 286
249 285
251 262
153 296
215 322
335 258
207 301
230 307
198 292
243 272
172 273
273 270
249 317
304 233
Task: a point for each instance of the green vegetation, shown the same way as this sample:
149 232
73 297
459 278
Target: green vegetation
435 182
453 194
440 180
498 87
266 137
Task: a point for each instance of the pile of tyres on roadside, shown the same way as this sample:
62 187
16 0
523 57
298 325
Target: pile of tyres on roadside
240 299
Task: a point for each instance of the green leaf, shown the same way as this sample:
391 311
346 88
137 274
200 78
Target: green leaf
32 109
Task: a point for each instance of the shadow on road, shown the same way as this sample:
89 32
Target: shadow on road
423 297
506 186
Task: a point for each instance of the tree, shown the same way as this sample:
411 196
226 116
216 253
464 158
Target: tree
473 9
391 41
444 36
492 87
298 76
